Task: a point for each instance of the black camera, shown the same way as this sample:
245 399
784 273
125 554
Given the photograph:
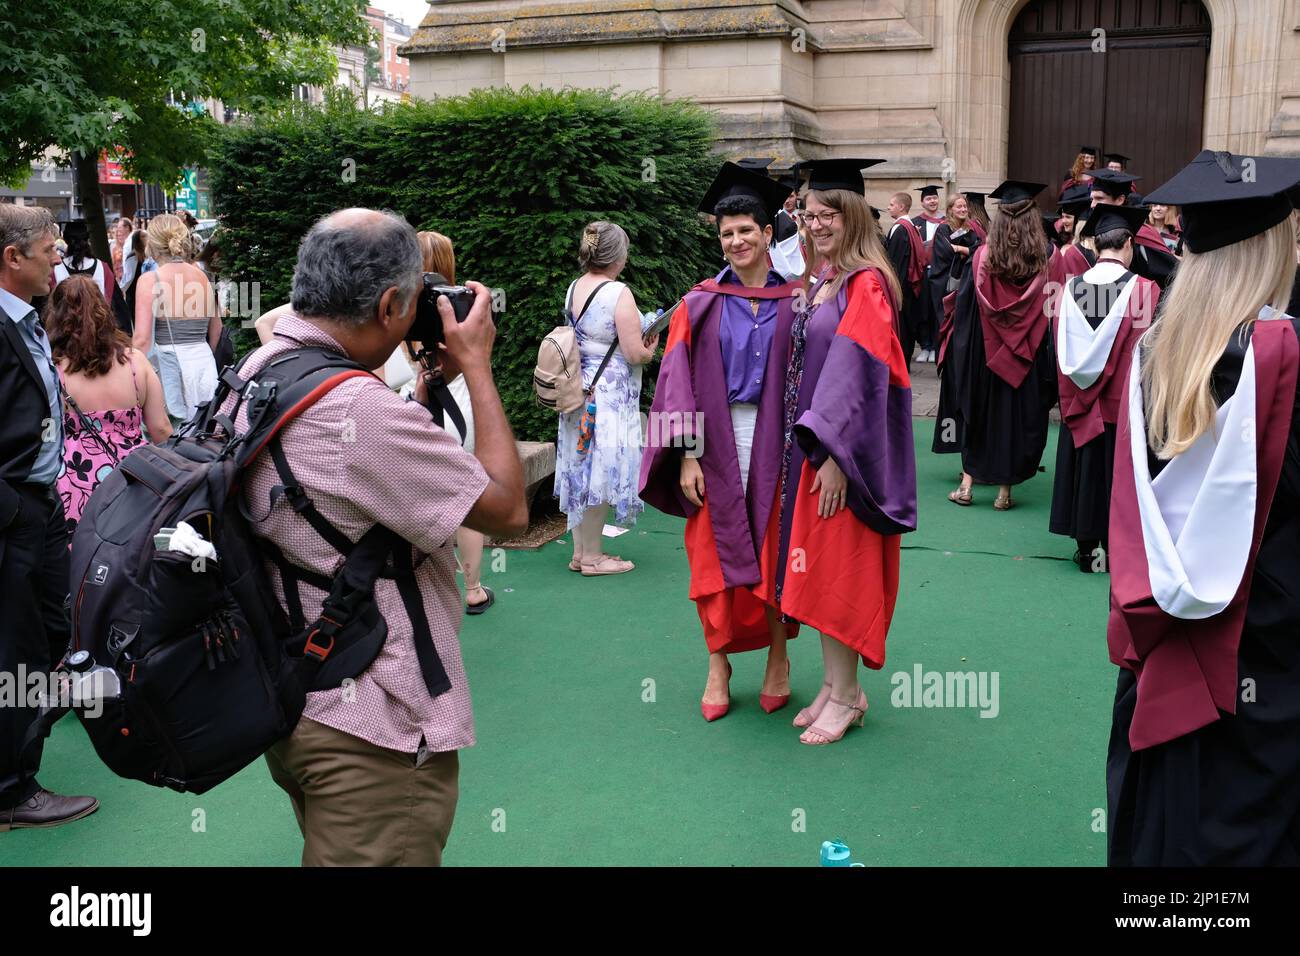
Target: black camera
427 327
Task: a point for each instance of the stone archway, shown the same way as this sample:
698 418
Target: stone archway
1240 100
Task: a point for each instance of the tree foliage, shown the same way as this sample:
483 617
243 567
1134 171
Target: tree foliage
511 177
82 76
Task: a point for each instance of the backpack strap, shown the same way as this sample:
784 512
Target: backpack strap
287 387
586 305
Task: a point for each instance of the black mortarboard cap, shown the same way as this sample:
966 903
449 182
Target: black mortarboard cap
1076 199
790 181
837 173
736 180
1090 150
927 191
1108 218
1226 198
976 198
76 229
1118 158
1049 221
755 163
1015 190
1113 183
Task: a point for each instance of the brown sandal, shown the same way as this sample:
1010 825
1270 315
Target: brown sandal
961 497
1003 504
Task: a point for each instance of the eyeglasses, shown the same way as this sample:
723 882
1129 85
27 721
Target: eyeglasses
822 219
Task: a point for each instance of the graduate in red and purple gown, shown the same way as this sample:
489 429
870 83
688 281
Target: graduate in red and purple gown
1100 316
713 451
1204 760
1000 340
849 466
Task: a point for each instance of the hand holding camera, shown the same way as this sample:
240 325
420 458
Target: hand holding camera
456 322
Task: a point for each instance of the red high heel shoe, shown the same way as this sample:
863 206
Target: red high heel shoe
712 712
774 702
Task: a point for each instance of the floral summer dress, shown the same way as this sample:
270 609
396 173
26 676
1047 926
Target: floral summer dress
610 471
89 458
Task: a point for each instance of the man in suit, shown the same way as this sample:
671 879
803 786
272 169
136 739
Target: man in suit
34 628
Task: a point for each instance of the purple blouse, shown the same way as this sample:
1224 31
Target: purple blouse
746 339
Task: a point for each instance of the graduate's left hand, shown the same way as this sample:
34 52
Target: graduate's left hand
834 488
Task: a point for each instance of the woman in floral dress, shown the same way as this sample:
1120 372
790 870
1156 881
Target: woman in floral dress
606 474
113 386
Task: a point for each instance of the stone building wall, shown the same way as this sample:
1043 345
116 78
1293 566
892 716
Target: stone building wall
921 83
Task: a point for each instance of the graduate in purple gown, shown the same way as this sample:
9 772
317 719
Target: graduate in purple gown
714 439
849 467
1204 761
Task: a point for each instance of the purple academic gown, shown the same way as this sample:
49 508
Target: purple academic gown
848 398
726 537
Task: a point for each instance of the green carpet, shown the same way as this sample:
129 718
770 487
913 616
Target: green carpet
574 767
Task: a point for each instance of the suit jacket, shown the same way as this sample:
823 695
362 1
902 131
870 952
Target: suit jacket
26 407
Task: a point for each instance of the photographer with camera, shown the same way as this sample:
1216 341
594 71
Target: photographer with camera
372 766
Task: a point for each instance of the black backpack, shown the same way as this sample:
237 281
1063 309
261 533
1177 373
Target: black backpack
212 670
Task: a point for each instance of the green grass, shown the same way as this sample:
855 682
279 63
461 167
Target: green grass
587 772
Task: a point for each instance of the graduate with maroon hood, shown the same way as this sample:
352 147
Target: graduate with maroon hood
1152 258
849 466
1204 761
1000 341
1100 317
927 223
713 452
909 257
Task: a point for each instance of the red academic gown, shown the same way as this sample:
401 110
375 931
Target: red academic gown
727 536
848 398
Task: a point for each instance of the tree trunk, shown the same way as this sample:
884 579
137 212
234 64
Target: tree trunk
92 205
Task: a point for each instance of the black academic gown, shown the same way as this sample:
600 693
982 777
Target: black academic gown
1004 428
1227 794
949 426
899 249
1081 485
943 264
923 333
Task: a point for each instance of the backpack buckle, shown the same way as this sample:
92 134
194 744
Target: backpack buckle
321 651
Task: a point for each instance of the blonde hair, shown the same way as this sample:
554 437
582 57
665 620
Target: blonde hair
602 245
438 255
860 244
904 200
1214 294
168 240
948 215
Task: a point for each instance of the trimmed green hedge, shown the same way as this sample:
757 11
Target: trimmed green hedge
511 176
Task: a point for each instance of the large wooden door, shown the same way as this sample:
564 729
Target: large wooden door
1143 96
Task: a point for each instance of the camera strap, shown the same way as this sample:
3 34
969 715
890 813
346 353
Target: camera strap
442 401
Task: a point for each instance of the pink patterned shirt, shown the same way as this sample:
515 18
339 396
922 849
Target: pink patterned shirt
365 456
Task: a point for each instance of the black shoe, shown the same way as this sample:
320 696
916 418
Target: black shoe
482 605
46 809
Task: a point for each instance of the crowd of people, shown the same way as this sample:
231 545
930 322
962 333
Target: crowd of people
783 436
